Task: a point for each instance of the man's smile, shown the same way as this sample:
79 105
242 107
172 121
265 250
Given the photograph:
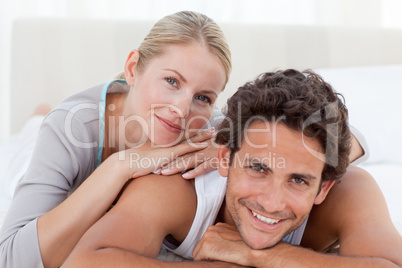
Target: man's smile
264 219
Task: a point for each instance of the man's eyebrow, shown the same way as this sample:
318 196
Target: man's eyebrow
304 176
257 162
179 74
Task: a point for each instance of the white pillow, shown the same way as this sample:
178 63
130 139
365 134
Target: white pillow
389 179
15 154
373 96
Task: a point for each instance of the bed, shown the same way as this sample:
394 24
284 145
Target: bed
53 58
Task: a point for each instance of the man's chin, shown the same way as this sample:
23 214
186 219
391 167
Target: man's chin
262 241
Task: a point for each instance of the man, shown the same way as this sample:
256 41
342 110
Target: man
284 143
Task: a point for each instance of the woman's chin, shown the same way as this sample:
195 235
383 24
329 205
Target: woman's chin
166 141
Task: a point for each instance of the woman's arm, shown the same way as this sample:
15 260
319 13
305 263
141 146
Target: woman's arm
359 151
57 167
44 222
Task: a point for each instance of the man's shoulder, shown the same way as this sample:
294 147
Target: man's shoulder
166 188
171 200
337 215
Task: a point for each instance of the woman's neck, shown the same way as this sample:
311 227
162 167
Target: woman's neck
113 109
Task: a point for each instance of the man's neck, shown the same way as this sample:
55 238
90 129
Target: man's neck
224 215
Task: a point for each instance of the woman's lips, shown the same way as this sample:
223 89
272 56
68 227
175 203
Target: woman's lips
169 125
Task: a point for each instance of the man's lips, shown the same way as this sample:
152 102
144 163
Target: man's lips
169 125
265 219
264 222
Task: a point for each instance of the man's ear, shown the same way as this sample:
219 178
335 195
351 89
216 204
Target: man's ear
325 187
129 67
223 157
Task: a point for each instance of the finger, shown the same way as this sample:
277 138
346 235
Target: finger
187 159
227 231
173 154
185 148
196 250
199 170
200 161
180 164
201 135
196 157
225 225
158 158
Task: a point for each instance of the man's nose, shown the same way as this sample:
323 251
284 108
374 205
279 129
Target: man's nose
273 197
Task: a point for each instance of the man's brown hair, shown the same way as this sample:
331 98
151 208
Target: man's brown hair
302 101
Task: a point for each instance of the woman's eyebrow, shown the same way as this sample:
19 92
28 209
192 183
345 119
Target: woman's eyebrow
209 92
179 74
185 81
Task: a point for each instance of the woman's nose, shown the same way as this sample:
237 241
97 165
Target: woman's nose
181 105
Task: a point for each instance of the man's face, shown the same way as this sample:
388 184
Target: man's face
273 183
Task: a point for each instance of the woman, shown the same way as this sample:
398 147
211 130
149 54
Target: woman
93 142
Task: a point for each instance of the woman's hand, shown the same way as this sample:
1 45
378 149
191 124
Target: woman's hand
356 150
136 162
198 162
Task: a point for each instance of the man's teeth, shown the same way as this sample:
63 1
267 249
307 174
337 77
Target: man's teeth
264 219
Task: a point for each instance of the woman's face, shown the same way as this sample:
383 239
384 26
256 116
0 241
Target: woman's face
174 95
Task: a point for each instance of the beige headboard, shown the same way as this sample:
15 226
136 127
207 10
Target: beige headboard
53 58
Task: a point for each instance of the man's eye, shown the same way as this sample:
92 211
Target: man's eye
171 81
299 180
257 168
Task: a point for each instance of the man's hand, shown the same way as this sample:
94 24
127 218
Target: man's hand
222 242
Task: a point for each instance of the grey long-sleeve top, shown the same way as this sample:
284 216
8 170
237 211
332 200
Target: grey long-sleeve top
66 153
58 166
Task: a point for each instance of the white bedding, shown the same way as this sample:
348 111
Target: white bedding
15 154
373 96
389 179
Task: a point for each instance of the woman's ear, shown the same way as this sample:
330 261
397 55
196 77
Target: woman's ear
223 158
325 187
129 67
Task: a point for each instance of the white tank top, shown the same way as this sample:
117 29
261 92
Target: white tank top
210 189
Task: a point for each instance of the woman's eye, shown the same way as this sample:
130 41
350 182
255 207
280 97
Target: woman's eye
203 98
171 81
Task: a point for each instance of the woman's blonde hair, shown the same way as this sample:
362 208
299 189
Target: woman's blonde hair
184 27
